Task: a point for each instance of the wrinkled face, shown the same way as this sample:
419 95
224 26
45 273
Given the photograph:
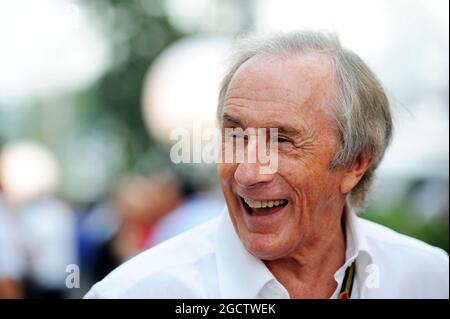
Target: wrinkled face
277 214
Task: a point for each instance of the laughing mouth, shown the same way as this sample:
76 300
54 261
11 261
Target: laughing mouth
263 207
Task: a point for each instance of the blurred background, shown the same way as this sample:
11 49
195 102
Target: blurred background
90 90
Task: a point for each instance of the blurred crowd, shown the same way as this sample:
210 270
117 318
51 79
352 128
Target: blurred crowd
42 235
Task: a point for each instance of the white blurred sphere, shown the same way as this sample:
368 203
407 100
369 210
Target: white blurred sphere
28 170
182 86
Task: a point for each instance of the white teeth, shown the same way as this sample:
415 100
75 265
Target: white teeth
264 203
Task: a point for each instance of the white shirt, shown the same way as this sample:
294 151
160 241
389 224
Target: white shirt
210 261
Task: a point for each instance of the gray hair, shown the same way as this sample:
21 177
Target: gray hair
362 112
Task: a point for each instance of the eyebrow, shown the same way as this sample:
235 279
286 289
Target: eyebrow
282 128
231 119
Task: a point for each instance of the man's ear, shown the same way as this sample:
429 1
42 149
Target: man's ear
354 173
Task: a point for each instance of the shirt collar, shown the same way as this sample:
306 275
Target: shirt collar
356 242
237 266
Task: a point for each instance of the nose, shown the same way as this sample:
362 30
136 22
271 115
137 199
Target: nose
251 173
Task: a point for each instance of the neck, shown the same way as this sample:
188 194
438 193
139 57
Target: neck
309 272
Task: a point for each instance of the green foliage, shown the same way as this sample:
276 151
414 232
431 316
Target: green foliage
137 38
403 218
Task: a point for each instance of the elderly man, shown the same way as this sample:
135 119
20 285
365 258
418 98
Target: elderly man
294 233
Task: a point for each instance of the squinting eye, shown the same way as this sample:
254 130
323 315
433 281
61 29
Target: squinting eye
283 140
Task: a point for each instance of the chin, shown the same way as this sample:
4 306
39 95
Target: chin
266 246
